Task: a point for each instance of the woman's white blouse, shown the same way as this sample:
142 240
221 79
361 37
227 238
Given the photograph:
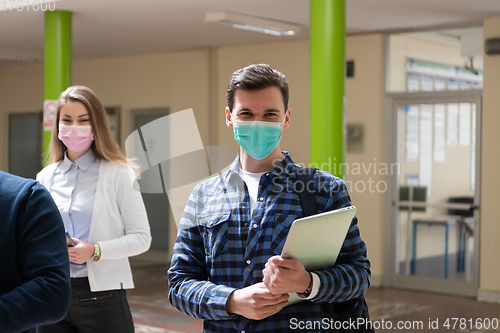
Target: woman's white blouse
73 190
119 224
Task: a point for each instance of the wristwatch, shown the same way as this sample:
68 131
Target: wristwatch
308 290
97 252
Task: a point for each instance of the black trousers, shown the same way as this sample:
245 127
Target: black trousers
93 312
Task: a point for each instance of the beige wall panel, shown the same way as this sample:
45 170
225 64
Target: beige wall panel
490 226
21 90
364 104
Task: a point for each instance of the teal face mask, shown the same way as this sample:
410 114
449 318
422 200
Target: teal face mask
257 138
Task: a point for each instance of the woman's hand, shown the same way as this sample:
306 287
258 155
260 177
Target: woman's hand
81 252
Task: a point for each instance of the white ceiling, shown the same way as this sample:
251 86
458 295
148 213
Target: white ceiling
118 27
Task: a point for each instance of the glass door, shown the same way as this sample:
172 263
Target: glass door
435 195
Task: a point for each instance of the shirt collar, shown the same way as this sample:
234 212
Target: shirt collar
83 162
280 170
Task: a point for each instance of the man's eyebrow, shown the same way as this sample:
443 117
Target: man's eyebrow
268 110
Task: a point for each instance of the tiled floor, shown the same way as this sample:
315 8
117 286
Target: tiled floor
149 303
420 312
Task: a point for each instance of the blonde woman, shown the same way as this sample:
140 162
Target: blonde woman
104 216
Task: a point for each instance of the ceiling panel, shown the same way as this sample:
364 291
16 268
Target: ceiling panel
119 27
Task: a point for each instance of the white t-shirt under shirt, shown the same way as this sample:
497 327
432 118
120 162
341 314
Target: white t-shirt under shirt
252 180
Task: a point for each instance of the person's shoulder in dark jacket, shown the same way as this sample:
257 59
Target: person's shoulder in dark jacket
35 283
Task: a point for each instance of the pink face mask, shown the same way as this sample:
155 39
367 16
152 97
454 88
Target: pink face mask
76 138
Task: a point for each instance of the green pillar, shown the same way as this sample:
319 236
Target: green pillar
327 67
57 64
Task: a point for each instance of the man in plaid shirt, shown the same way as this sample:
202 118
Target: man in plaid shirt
226 267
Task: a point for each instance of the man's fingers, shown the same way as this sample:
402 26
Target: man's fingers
269 310
268 296
272 306
279 262
263 293
270 266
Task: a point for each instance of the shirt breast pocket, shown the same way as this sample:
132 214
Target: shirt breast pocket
215 237
281 228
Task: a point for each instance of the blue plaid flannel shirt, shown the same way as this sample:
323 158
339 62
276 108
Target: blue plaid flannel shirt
220 247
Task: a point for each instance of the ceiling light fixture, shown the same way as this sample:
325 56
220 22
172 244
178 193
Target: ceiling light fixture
14 57
253 23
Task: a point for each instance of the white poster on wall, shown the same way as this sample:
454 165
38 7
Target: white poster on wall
453 84
477 85
439 83
465 85
425 160
452 125
426 83
412 82
444 76
464 124
439 151
411 144
473 150
49 114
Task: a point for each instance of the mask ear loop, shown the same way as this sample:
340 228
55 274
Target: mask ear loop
282 127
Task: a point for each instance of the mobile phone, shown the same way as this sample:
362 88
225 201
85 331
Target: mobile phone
69 241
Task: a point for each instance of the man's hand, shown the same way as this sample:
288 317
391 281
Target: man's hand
285 276
81 252
255 302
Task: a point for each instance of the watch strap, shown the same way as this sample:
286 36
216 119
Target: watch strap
97 252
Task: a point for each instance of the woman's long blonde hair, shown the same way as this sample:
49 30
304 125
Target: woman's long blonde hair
104 144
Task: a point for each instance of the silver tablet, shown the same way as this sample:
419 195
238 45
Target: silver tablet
316 240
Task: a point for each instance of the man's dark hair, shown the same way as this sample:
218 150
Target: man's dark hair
255 77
